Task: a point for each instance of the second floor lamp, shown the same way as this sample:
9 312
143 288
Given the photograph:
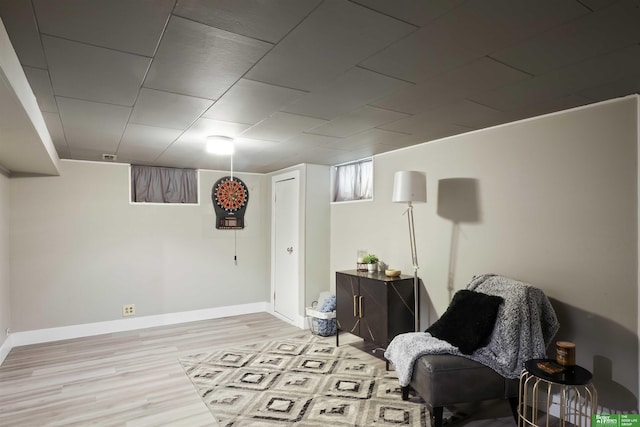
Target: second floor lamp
411 187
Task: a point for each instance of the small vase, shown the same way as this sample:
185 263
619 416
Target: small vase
372 268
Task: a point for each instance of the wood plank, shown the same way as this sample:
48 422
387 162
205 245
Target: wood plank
127 378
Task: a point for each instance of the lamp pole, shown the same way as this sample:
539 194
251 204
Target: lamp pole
410 187
414 259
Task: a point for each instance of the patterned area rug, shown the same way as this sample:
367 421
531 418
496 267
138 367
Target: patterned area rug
301 382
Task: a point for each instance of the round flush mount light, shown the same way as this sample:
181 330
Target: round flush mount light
218 144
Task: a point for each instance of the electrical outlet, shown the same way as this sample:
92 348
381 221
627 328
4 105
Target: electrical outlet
128 310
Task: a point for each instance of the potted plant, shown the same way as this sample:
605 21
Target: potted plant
372 262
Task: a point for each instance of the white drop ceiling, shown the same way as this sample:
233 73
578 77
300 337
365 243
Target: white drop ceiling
311 81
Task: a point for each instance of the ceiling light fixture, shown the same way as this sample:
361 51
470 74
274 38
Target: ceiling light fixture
218 144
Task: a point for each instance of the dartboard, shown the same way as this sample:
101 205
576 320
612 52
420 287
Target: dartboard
230 197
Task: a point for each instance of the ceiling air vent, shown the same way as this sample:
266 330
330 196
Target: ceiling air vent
109 157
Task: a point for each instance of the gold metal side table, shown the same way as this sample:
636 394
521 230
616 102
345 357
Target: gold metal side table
569 394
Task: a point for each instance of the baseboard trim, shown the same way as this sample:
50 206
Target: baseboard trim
5 348
299 321
38 336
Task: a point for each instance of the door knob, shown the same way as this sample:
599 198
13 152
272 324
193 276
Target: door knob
290 249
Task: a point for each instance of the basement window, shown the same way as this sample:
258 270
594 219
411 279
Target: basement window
353 181
152 184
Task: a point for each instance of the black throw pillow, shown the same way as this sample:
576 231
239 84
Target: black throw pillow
468 321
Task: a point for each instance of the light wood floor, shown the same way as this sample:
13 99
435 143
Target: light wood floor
134 378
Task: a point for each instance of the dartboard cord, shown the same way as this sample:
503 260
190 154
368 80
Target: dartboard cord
235 232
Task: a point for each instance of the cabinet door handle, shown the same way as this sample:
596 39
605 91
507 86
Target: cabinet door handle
360 305
355 308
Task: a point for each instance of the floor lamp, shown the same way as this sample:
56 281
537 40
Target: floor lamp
411 187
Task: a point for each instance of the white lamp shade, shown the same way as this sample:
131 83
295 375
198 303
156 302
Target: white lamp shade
410 186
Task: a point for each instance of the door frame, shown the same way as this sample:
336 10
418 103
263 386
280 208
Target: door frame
295 174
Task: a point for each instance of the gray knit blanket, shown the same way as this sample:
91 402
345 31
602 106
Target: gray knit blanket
525 326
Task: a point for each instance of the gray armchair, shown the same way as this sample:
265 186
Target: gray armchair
478 347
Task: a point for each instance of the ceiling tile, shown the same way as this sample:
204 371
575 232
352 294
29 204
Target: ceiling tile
439 130
480 75
217 163
319 154
54 126
594 34
284 152
421 124
182 155
288 154
365 151
334 38
139 23
203 128
92 125
617 88
41 86
193 154
248 145
268 21
495 24
597 4
198 60
20 23
94 73
418 13
170 162
282 126
351 90
250 102
422 55
473 30
404 141
575 78
145 143
306 141
167 110
421 97
369 137
88 153
465 114
357 121
548 106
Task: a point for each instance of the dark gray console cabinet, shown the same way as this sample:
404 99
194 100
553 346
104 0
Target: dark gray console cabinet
373 306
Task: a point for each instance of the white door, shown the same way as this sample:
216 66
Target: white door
286 251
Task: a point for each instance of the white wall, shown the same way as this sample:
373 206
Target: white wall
317 213
80 250
5 306
315 274
551 201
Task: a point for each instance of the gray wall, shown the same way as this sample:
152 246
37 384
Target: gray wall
5 306
551 201
80 250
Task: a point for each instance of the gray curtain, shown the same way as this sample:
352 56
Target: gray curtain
152 184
